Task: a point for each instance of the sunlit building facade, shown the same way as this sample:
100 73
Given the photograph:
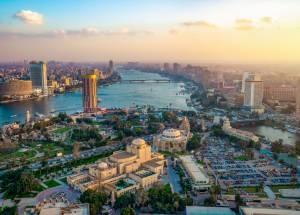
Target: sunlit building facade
254 92
89 91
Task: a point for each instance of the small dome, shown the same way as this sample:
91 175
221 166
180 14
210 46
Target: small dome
103 165
138 142
171 133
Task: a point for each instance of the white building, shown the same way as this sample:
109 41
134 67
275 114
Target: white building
242 135
267 211
245 76
195 171
254 92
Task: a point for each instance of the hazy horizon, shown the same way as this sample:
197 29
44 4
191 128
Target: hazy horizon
204 31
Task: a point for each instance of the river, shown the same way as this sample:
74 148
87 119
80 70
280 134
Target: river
273 134
117 95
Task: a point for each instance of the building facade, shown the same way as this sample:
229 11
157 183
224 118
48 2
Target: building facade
89 91
254 93
281 93
38 75
240 134
16 88
298 100
123 171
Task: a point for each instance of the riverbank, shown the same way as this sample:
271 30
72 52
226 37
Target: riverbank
116 95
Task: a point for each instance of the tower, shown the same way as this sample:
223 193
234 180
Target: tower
298 99
38 75
76 150
89 89
245 76
254 93
111 66
27 116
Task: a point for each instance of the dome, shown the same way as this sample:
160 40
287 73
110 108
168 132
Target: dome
171 133
103 165
138 142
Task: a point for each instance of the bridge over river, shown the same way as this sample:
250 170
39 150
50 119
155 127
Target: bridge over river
149 81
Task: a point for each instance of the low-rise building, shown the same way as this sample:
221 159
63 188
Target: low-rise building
196 172
242 135
133 168
267 211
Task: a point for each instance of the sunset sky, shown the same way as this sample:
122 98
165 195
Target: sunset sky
151 30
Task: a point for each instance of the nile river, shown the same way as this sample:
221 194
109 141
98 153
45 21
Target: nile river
115 95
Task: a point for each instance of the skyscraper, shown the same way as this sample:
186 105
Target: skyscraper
111 66
38 76
245 76
89 89
254 93
298 100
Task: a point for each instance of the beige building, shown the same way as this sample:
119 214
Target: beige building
174 140
242 135
89 90
123 171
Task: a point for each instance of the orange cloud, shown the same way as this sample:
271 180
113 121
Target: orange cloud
243 21
245 27
266 19
199 23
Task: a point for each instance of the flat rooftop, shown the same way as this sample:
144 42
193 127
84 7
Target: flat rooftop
122 155
144 173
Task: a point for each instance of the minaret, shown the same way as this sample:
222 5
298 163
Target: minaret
27 116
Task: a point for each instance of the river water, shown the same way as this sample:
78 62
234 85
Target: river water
115 95
274 134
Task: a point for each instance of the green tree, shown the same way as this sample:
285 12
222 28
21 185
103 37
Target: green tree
297 147
95 199
128 211
128 199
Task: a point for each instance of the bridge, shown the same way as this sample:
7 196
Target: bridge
149 81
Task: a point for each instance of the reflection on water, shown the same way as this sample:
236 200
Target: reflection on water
115 95
274 133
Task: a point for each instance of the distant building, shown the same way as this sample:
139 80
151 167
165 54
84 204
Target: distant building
28 116
38 75
298 100
89 89
240 134
254 93
111 66
166 67
18 88
282 93
176 67
245 76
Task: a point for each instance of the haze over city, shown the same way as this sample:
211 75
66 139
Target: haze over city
132 30
126 107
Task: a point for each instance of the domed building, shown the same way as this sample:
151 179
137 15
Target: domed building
172 140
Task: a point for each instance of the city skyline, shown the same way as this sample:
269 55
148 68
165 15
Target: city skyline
192 31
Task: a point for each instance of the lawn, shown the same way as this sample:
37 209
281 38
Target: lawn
241 158
62 130
52 183
276 188
64 180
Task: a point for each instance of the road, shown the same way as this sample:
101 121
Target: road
173 178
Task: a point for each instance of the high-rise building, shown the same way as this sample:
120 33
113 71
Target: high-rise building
254 92
89 89
298 100
38 75
111 66
285 93
176 67
166 67
245 76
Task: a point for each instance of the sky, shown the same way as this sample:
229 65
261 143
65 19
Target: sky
151 30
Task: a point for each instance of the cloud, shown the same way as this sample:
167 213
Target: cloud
243 21
245 27
244 24
266 19
84 32
173 31
199 23
30 17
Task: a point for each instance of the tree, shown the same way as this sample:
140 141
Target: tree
238 200
95 199
277 146
194 142
128 199
297 147
128 211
